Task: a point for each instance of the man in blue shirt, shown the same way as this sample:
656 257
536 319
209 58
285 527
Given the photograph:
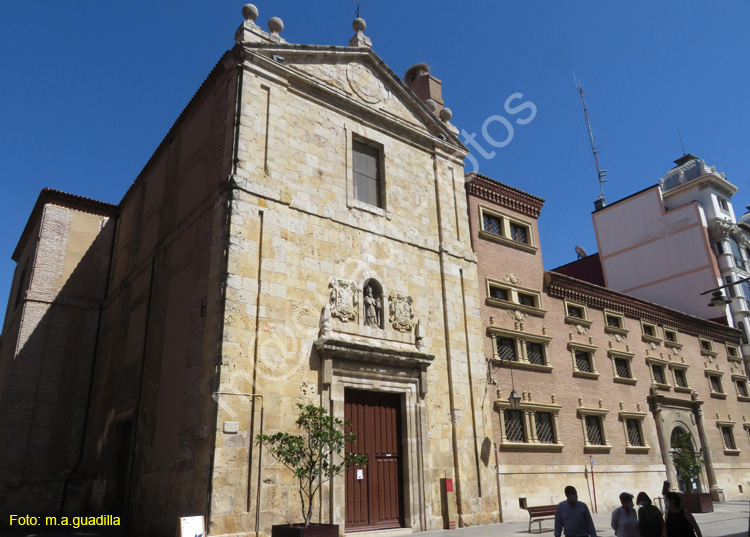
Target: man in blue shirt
573 516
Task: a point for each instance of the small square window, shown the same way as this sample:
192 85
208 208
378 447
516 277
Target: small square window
670 335
506 348
514 429
583 361
613 321
545 430
728 437
594 430
519 233
366 166
658 372
635 437
742 388
492 224
535 353
499 293
622 367
649 330
680 379
706 345
724 205
527 300
733 353
575 311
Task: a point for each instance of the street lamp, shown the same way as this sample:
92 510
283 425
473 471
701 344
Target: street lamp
718 300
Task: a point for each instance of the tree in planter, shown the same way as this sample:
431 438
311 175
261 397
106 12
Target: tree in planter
687 462
310 455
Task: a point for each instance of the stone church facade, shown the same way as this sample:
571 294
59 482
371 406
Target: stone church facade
300 236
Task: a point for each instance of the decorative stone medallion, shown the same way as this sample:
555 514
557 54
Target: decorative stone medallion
343 299
401 312
365 84
512 278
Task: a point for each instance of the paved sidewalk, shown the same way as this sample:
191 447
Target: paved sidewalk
729 519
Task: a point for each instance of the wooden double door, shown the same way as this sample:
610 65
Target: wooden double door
374 494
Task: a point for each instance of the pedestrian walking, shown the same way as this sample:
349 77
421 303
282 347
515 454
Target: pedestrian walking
680 522
650 520
573 517
624 518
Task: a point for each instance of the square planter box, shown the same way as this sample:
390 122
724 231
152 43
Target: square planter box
697 503
299 530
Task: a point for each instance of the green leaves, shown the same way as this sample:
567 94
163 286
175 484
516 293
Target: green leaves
687 463
316 455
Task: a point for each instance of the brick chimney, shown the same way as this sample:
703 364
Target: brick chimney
424 85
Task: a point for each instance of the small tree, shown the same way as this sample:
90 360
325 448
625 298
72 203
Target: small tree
310 455
687 462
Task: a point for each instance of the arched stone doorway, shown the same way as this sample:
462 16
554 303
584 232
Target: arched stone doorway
686 460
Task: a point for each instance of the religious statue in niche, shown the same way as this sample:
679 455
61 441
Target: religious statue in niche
373 307
401 312
343 299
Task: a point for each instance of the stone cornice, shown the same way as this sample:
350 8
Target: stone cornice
506 196
562 286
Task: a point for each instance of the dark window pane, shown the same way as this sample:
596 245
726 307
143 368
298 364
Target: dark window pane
514 425
715 384
658 374
545 431
535 352
634 432
728 438
621 366
613 321
705 345
649 330
506 348
742 388
680 378
519 233
583 361
670 336
594 430
492 224
366 163
499 293
526 300
575 311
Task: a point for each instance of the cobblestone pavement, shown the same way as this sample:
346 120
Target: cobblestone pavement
729 519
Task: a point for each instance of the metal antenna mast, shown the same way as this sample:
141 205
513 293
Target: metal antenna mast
601 174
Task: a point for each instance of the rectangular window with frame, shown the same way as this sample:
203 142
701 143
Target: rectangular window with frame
635 437
730 287
680 379
706 345
728 436
545 429
733 353
649 330
514 429
658 372
366 167
715 384
583 361
670 336
594 430
723 205
527 300
622 368
492 224
575 311
506 348
519 233
535 353
498 293
613 321
742 388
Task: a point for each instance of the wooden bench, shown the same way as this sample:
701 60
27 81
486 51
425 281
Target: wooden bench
539 513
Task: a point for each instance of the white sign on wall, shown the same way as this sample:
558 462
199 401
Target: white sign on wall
191 526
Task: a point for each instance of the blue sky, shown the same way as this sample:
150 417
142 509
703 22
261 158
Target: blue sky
90 89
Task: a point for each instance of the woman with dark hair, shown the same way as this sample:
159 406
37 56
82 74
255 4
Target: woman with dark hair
650 521
680 522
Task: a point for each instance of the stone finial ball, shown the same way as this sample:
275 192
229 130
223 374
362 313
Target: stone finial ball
431 104
250 12
446 114
359 25
276 25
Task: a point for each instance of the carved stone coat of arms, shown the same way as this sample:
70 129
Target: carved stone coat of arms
401 312
343 299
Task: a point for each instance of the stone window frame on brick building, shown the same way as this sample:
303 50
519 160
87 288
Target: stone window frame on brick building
614 323
672 338
707 347
530 413
381 209
740 385
728 441
576 312
658 365
733 353
714 381
521 352
682 369
650 332
517 297
630 420
622 361
587 415
576 352
746 426
503 228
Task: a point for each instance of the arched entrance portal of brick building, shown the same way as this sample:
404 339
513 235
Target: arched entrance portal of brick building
374 495
681 440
